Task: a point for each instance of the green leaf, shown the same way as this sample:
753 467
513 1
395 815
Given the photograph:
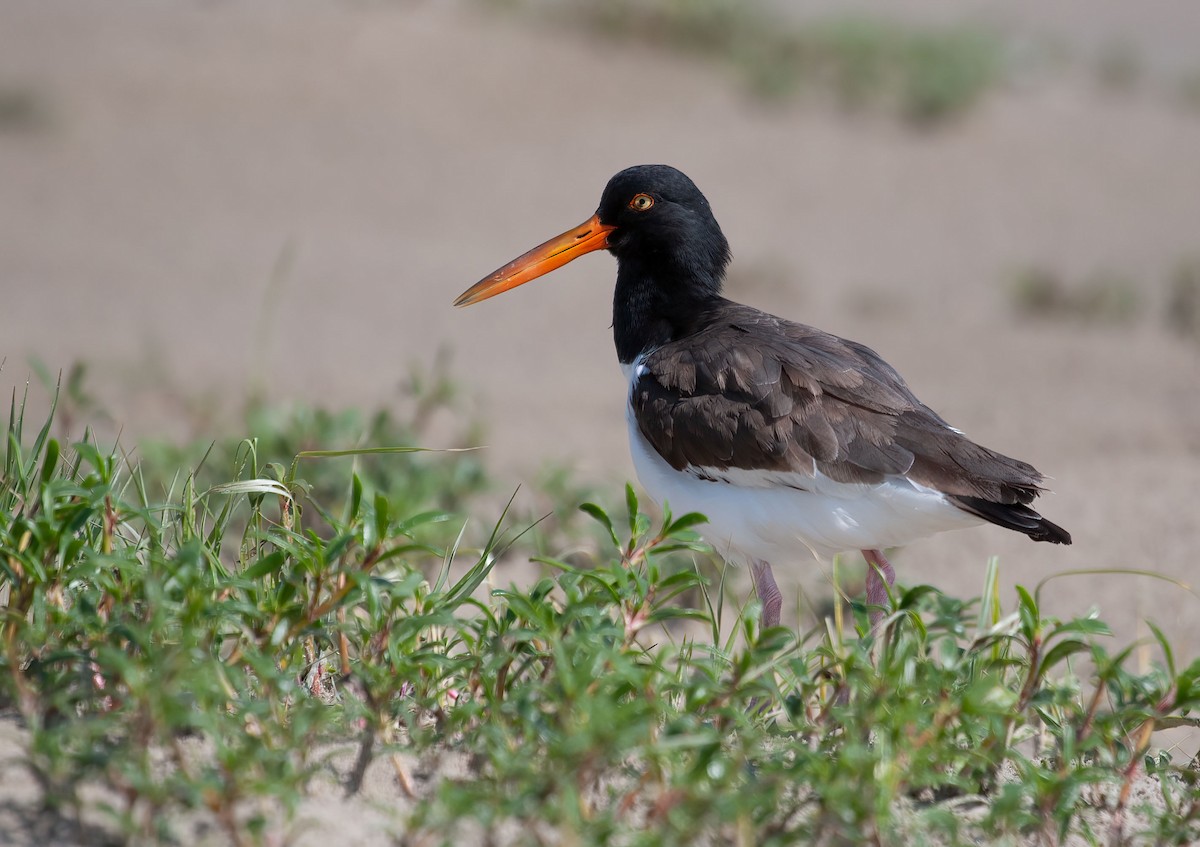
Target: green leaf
356 494
1030 619
1168 655
913 596
472 579
406 526
675 613
683 522
268 564
378 451
382 517
1082 626
44 432
696 546
50 461
1187 687
631 505
602 518
1060 651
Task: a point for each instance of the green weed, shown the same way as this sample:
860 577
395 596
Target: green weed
22 109
1187 90
1182 314
1119 68
923 75
1102 298
197 652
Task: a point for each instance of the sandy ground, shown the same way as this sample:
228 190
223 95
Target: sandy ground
215 196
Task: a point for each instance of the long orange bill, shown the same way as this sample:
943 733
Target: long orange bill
588 236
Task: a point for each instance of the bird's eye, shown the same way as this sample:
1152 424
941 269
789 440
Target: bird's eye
641 202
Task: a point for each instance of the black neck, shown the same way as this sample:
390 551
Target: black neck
652 307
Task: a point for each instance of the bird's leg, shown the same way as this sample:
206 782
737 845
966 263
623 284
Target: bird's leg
768 592
879 570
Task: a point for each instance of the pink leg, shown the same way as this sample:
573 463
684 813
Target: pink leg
879 570
768 592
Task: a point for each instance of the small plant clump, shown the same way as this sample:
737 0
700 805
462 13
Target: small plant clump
21 109
196 651
1188 90
923 75
1183 300
1102 298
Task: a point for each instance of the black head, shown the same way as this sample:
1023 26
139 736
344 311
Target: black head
663 224
653 219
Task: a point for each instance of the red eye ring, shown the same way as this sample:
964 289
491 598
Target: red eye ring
641 202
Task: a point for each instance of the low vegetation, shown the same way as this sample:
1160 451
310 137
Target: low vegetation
199 641
1101 298
21 108
1183 300
1107 298
924 75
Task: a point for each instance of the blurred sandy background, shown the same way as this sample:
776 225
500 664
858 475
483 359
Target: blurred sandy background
201 198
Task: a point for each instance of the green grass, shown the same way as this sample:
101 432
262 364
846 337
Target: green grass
22 109
1105 298
1119 67
1187 90
923 75
196 647
1108 298
1182 314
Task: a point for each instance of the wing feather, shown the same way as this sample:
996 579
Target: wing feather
755 392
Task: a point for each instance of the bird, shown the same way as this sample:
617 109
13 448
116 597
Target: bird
789 440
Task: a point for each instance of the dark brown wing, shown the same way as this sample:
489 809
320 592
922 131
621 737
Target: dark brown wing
754 392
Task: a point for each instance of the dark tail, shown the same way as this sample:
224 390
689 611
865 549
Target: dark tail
1014 516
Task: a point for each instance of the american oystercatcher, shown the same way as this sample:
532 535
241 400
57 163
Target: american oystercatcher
782 435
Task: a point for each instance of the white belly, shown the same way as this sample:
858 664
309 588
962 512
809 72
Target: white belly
754 515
